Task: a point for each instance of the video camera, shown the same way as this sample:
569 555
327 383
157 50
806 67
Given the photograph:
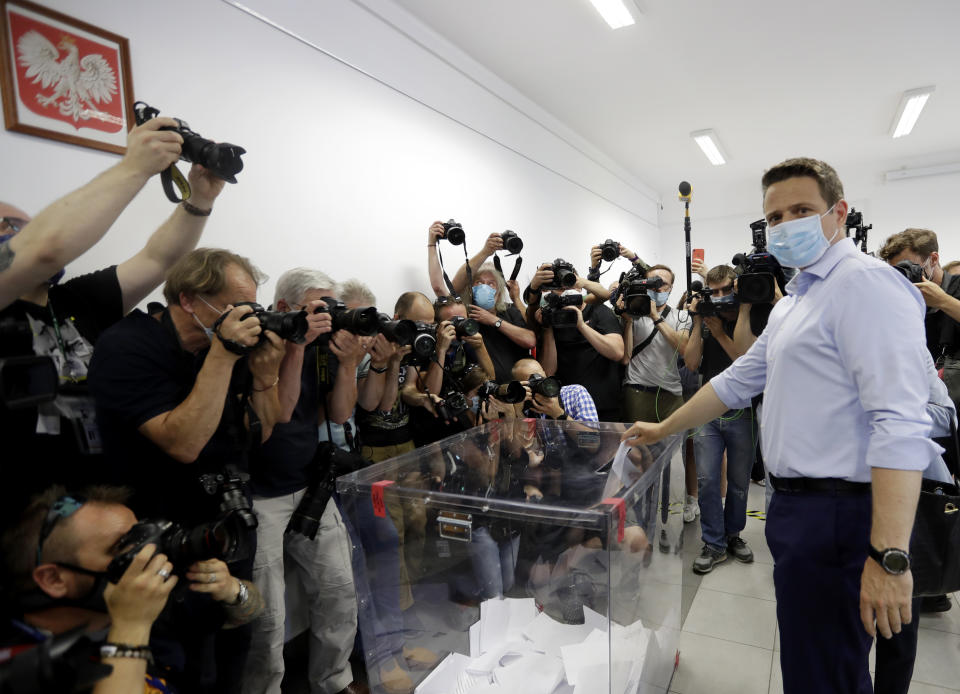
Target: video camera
225 538
453 232
710 306
758 271
221 159
633 287
855 222
553 313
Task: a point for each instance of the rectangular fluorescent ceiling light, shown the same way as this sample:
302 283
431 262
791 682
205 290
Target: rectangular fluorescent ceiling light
614 12
708 142
911 104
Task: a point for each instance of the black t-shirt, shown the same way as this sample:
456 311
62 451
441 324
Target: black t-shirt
66 452
283 463
579 363
140 371
503 351
715 358
390 428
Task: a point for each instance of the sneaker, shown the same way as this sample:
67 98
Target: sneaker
935 603
707 560
691 509
739 549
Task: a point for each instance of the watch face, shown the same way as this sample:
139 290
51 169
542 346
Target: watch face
895 561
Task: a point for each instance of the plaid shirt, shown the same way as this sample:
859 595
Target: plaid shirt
578 404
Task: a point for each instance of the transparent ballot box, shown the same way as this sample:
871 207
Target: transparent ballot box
522 556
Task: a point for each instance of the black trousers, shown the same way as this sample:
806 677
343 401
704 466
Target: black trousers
895 657
819 546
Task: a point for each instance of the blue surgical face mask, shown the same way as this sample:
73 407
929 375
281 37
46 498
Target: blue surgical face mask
659 298
799 242
484 296
209 332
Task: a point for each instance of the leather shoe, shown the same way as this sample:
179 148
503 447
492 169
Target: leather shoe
355 688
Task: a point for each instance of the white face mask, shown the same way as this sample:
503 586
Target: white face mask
209 332
799 242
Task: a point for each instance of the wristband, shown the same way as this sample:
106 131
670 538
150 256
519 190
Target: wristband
634 259
123 650
659 320
563 416
378 371
272 385
194 210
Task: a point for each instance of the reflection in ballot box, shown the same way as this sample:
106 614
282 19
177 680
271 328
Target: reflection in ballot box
526 556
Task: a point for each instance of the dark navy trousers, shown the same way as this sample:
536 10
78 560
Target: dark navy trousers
819 546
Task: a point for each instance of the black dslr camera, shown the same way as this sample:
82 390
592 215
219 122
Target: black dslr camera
465 327
452 406
289 326
757 271
453 232
221 159
511 242
329 463
226 538
564 276
553 312
423 344
511 392
636 300
397 331
609 250
549 387
359 321
910 270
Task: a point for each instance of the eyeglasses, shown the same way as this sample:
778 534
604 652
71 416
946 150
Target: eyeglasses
14 224
447 300
64 507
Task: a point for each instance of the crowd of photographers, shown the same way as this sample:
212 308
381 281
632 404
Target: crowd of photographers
163 464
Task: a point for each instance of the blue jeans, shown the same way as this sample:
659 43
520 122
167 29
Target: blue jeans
734 432
493 565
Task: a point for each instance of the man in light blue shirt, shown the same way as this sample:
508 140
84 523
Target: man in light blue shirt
842 367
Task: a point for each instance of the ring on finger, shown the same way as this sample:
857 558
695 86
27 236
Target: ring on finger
164 573
212 577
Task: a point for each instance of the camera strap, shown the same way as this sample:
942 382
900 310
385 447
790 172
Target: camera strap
643 345
446 278
516 267
171 176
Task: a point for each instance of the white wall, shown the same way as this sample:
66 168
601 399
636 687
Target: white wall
929 203
344 170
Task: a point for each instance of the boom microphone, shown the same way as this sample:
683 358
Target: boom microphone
685 190
696 286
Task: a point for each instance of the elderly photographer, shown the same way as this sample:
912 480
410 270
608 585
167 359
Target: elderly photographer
63 320
55 562
183 396
282 471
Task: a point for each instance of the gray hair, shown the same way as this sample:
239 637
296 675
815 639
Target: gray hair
502 296
355 290
293 285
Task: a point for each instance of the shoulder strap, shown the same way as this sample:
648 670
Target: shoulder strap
643 345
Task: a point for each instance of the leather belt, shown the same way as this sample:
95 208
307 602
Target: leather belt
645 389
818 485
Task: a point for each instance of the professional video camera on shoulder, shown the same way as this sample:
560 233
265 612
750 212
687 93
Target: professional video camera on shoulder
635 290
758 271
552 312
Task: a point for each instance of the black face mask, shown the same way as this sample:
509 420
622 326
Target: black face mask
94 599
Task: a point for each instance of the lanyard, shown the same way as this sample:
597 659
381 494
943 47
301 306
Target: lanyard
63 348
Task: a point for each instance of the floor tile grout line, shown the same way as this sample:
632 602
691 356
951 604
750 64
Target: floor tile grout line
718 638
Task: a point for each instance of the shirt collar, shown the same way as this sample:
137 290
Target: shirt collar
820 269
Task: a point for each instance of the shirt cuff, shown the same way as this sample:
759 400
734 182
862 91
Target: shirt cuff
727 393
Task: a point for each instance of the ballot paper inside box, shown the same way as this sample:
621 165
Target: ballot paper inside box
521 556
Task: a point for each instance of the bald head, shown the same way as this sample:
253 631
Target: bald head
524 368
414 306
8 210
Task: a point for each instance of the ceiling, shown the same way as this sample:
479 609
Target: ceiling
821 78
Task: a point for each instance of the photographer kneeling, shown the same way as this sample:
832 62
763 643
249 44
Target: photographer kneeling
72 559
182 397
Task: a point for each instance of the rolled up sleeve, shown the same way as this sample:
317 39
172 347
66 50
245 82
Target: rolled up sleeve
743 380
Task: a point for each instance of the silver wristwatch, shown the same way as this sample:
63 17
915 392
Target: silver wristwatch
242 595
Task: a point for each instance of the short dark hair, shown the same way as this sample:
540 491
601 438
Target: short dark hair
19 541
719 273
673 277
831 189
920 241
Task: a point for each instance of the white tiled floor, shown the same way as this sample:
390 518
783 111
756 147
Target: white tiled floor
729 642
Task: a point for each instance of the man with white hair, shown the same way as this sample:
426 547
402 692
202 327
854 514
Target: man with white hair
281 473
